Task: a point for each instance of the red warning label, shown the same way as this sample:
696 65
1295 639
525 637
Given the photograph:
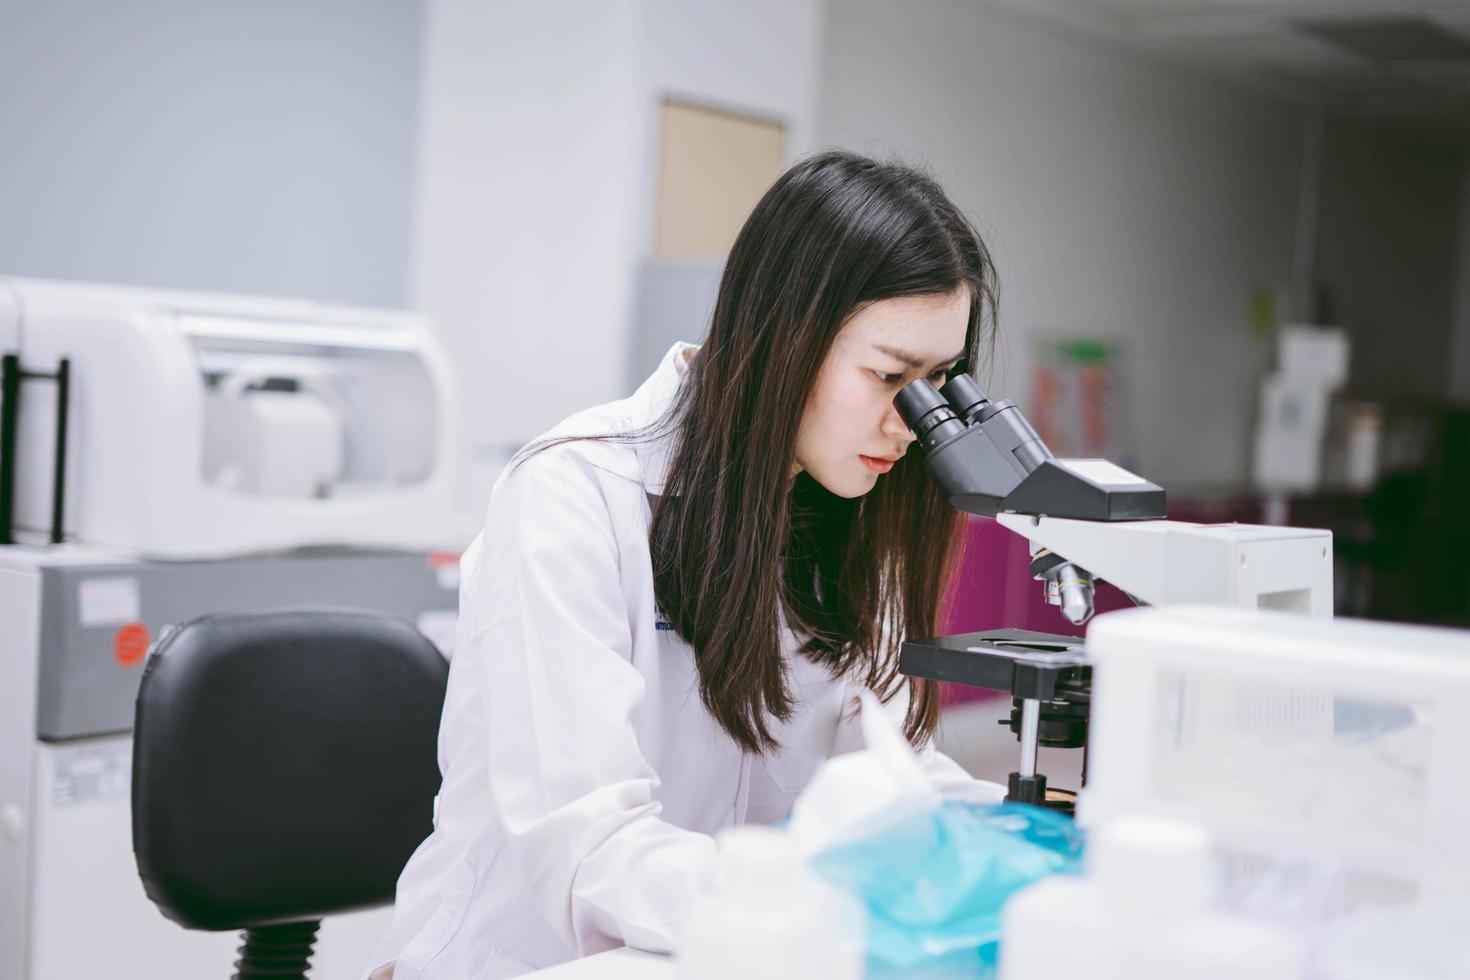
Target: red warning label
130 644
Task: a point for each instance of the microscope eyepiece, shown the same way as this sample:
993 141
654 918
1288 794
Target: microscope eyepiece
928 413
965 396
916 400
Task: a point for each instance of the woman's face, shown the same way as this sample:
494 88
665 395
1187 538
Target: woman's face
851 434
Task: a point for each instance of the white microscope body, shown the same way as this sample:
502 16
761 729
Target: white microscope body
1167 563
1088 519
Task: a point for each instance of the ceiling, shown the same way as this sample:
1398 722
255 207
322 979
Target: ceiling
1399 62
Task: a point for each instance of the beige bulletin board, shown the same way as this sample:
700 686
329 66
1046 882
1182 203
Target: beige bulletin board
713 167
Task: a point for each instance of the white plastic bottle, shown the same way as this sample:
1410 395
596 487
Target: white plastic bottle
768 916
1141 912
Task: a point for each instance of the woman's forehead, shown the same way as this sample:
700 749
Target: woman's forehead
931 327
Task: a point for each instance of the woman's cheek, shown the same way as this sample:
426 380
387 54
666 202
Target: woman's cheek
855 394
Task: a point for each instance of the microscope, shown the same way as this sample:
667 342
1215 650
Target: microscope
1087 521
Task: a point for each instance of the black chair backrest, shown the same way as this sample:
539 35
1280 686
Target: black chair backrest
284 764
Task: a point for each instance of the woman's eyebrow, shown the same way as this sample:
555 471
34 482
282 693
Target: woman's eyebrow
912 360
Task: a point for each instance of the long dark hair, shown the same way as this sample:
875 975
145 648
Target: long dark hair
735 542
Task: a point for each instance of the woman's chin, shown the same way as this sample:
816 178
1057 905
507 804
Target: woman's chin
847 485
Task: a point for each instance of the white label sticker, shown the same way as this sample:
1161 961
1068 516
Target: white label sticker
108 601
97 771
1101 471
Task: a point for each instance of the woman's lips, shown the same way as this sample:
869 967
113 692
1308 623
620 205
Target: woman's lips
878 464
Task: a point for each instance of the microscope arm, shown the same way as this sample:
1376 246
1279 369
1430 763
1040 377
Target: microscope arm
1169 562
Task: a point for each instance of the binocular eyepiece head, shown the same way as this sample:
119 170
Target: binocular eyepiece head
936 415
965 396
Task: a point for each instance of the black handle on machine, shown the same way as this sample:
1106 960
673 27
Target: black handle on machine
11 376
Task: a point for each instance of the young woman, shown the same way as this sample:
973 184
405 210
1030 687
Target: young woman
676 597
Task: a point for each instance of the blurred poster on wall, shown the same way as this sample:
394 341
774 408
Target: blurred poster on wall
1077 398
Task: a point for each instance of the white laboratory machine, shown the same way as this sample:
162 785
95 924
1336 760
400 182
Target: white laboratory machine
162 456
1326 759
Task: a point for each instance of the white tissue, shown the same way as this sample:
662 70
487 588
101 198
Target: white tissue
854 794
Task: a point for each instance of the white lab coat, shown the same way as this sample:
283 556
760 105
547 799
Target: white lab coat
583 777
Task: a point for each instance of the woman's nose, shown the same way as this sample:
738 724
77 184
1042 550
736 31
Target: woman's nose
894 426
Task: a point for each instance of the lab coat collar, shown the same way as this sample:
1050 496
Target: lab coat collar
649 404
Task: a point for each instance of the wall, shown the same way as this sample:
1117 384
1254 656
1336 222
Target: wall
760 57
1386 256
538 159
523 225
248 147
1120 199
278 148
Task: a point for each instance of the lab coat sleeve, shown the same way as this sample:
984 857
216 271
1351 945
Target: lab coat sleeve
946 775
570 782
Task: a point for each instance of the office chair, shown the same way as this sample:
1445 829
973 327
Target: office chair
284 769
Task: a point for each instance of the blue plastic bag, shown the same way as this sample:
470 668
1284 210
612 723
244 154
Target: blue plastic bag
934 884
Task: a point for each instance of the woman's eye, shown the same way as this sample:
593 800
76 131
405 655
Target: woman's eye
893 378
